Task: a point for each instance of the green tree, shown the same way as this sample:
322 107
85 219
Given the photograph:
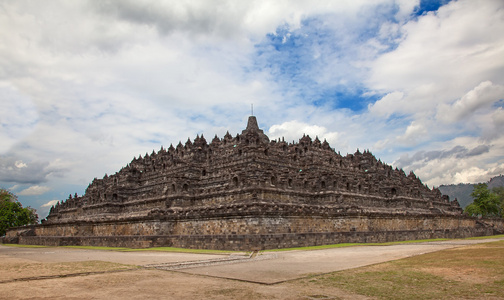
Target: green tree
486 203
499 191
12 213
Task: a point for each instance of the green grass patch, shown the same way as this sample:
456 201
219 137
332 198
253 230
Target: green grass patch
394 284
488 257
471 272
485 237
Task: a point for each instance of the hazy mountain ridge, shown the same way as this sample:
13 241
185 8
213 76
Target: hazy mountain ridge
462 191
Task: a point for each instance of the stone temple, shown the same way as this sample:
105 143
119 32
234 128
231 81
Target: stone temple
249 193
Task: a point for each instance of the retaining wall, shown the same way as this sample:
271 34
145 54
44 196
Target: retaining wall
253 232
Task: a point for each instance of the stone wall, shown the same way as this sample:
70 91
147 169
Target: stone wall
254 232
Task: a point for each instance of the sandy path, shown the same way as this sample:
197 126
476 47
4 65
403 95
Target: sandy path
61 254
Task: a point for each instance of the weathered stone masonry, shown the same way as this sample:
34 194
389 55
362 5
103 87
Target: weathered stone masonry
247 192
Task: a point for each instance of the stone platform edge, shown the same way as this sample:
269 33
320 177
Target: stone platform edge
246 242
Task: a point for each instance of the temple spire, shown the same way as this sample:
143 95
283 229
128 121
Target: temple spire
253 129
252 123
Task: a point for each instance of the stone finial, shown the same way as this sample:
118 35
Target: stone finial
200 141
215 140
228 136
325 145
188 144
253 130
252 123
305 140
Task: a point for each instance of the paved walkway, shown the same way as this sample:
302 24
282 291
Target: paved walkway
291 265
63 254
267 268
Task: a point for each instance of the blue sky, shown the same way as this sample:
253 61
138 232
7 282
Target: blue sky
85 86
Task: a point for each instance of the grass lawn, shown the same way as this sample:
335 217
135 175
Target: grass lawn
472 272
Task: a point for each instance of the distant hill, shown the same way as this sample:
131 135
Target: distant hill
462 191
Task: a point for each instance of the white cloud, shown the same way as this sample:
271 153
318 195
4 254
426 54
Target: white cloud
460 160
231 19
294 130
14 187
405 8
415 132
20 164
43 210
445 82
14 170
18 116
456 47
50 203
34 190
498 117
388 104
482 96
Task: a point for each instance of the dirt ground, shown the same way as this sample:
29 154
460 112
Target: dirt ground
157 284
64 273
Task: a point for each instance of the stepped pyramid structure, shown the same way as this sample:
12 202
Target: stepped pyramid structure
249 193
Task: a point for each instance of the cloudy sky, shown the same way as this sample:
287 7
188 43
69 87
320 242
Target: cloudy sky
87 85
